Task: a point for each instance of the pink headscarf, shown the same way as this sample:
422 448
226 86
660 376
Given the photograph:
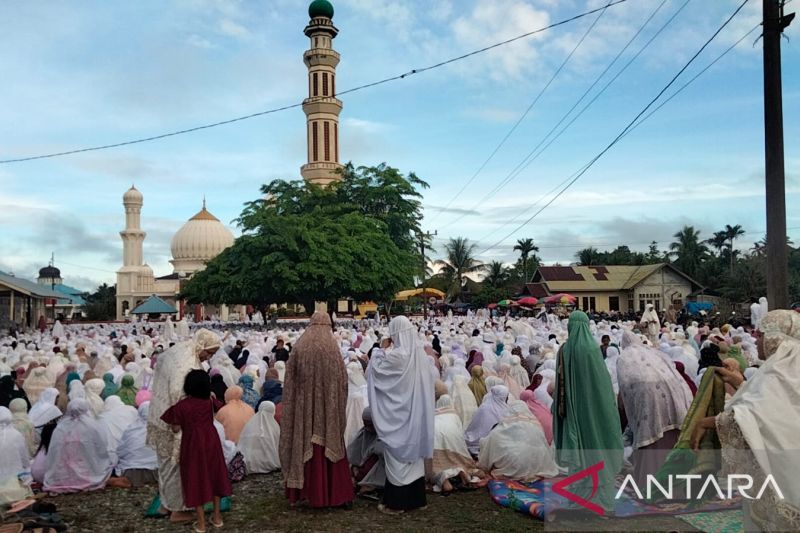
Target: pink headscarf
542 413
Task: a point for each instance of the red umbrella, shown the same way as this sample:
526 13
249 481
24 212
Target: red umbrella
492 306
528 300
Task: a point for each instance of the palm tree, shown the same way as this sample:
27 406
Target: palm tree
732 233
718 241
459 262
689 250
525 248
588 256
496 274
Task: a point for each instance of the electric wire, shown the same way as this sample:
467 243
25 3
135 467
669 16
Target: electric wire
625 130
523 116
299 104
533 154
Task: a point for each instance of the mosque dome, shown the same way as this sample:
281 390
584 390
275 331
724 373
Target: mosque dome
199 241
132 196
49 272
320 8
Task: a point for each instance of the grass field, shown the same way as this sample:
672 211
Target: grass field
259 505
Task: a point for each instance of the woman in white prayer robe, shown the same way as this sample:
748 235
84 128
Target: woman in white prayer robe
259 441
135 459
115 419
451 458
401 395
77 458
15 461
356 401
93 388
493 408
463 400
517 448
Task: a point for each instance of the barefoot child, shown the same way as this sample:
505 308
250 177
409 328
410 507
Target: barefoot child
204 475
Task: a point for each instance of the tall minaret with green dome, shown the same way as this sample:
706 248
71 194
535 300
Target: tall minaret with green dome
322 108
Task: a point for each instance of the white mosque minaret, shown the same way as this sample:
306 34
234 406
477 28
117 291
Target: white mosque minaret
203 236
322 108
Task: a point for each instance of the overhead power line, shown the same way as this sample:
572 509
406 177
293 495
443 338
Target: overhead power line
639 123
539 149
625 130
299 104
523 116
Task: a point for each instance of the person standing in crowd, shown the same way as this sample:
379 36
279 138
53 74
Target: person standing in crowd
312 450
401 395
585 418
167 389
204 474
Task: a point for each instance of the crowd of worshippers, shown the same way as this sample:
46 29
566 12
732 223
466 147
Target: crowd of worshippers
389 411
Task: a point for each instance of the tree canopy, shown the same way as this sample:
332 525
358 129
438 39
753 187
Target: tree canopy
304 243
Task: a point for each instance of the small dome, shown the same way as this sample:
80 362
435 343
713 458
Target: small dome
49 272
132 196
320 8
199 241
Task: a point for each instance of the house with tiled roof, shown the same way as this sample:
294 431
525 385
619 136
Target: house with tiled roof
620 288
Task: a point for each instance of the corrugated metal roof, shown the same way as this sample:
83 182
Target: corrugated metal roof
585 278
74 296
154 305
28 287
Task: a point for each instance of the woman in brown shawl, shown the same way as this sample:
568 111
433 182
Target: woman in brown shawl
312 450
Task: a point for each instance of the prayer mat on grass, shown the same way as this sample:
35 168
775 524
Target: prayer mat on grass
529 499
717 522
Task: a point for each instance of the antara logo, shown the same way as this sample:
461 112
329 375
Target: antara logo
559 487
736 484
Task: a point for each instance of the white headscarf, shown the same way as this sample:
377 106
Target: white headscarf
463 400
517 447
14 461
133 452
259 441
93 388
492 409
45 410
115 419
401 394
77 459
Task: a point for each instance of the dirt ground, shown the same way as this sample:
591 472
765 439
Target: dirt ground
259 506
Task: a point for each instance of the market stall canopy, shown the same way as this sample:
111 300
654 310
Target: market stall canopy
155 306
410 293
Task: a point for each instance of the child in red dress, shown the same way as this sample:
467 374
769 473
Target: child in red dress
204 474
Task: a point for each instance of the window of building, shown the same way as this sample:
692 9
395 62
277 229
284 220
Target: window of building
324 84
314 143
613 303
316 42
316 84
333 85
588 303
630 304
650 298
326 133
336 140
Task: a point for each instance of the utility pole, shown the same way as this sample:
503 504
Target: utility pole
422 237
777 258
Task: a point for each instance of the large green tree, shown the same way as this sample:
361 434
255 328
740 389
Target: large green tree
304 243
102 303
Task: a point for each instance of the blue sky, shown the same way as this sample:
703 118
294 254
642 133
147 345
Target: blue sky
89 73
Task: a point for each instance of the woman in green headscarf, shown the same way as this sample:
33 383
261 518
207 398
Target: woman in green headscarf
585 417
127 392
110 388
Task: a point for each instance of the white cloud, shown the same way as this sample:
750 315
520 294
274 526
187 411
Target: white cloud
233 29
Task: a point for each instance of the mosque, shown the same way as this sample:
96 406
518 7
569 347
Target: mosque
203 236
